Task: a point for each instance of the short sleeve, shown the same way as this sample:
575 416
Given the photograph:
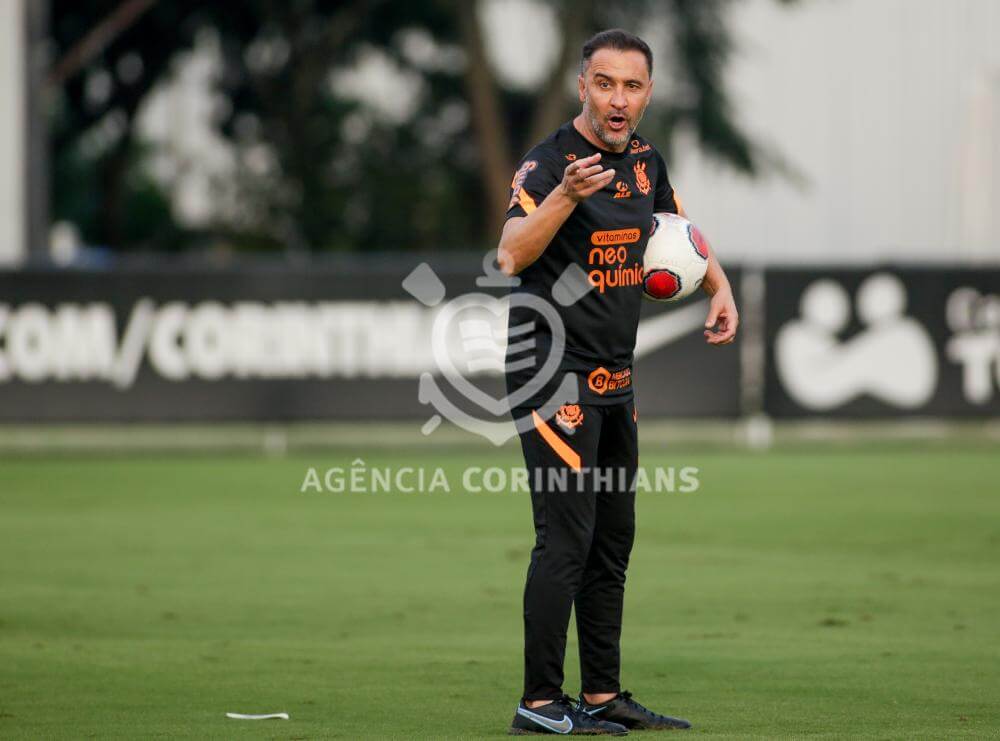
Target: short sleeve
665 198
534 179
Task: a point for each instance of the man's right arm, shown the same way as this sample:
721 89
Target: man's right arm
525 238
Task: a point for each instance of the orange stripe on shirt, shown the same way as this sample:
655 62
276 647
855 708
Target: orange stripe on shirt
527 202
569 456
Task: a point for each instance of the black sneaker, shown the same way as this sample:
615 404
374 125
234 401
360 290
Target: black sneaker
561 716
626 711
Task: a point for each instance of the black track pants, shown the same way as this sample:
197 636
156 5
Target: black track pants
584 528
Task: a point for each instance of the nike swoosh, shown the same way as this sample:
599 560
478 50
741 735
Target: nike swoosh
595 710
556 726
658 331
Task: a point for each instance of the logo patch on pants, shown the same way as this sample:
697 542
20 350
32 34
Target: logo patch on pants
569 417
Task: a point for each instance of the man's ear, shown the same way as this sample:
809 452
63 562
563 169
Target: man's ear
581 85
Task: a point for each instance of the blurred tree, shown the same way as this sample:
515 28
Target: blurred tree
331 156
108 56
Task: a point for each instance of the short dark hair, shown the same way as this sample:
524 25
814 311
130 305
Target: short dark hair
619 40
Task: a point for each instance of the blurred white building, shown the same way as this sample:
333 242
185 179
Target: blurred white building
891 111
13 125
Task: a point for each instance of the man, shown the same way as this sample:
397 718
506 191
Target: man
592 183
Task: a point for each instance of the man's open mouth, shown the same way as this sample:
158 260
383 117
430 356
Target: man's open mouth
617 122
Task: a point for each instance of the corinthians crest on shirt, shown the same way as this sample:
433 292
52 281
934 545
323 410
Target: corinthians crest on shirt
641 179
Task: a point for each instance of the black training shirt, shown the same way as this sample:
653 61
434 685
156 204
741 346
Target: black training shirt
606 237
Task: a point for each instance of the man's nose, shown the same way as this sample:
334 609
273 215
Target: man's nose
618 99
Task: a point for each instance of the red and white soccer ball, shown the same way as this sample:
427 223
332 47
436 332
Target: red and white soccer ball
676 259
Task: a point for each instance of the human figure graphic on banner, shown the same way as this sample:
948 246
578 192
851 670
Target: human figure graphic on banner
892 359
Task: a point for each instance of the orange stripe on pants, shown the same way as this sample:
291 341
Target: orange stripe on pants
569 456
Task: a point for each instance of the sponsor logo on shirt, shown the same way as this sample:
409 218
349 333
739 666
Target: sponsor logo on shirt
601 380
637 148
623 190
608 258
615 236
517 185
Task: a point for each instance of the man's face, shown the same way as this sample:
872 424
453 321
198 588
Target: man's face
615 89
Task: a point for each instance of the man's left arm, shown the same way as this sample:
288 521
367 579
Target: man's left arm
723 318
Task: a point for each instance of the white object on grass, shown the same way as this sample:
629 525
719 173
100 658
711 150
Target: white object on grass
266 716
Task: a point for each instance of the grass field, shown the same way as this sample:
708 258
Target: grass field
832 594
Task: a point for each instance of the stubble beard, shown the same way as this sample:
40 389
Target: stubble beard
613 141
